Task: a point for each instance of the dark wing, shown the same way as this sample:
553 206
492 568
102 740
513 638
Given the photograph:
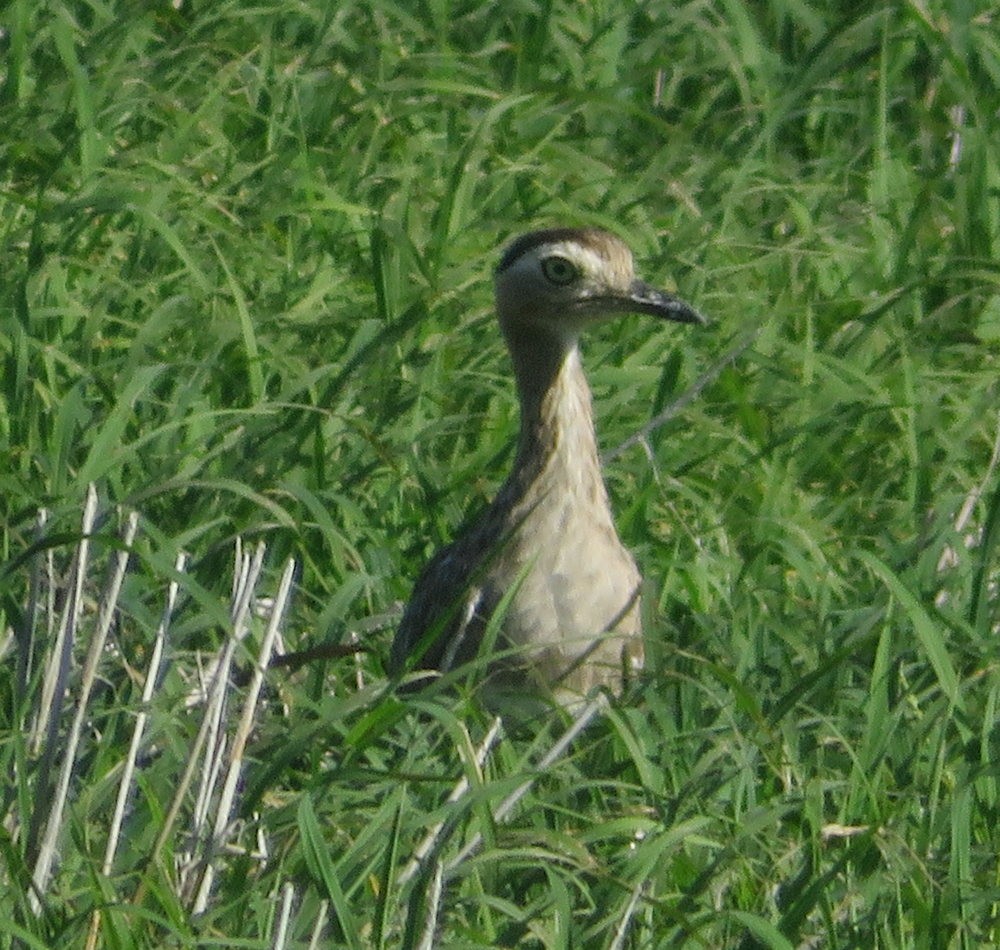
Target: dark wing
440 623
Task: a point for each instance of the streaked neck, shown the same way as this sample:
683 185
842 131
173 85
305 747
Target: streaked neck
557 439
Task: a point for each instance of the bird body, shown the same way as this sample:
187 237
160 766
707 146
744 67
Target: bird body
544 555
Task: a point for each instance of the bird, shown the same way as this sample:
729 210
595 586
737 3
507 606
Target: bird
540 579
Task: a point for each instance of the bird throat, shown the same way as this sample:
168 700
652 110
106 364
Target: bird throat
557 444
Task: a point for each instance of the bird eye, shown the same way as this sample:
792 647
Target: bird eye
559 271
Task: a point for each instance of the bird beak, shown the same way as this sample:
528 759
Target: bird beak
642 298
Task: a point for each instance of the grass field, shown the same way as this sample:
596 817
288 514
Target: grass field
245 256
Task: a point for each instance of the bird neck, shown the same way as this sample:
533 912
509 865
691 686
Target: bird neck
557 439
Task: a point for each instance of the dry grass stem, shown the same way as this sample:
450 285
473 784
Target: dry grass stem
500 813
58 684
434 892
238 745
284 916
128 769
432 837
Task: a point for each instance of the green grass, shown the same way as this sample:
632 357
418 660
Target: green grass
244 290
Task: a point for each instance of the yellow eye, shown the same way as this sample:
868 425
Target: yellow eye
559 271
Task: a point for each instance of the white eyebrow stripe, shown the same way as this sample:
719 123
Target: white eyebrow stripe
587 259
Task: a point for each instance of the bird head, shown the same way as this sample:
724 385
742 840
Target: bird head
563 280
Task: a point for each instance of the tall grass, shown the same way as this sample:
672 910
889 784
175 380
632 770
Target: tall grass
245 257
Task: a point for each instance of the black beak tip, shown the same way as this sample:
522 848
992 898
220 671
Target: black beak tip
666 305
690 315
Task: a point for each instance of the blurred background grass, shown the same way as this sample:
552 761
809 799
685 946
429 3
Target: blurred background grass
245 256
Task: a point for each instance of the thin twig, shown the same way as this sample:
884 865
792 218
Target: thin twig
320 923
152 674
598 704
462 786
284 914
186 778
687 397
53 695
621 931
58 666
47 853
128 770
247 570
433 903
222 816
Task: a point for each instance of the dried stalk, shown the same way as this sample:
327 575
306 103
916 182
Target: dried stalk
433 903
128 770
188 776
587 712
238 746
46 855
284 915
432 836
